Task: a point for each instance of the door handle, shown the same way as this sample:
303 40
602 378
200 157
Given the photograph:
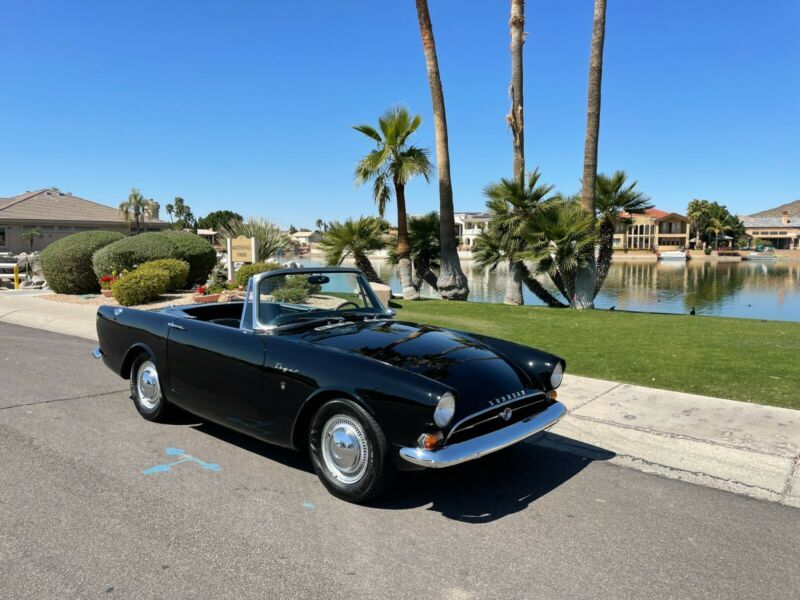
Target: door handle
174 325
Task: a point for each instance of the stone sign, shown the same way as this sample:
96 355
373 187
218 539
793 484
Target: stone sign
242 249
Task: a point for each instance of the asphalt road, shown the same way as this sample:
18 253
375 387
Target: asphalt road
79 519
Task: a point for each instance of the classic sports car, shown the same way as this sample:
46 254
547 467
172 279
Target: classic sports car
312 359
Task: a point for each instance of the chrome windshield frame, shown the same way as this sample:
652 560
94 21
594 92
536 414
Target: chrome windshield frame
252 294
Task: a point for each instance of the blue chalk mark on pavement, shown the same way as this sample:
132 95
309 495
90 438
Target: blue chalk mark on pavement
182 457
309 505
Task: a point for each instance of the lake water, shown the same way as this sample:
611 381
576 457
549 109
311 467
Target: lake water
749 289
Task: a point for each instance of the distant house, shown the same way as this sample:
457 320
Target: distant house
212 236
655 230
469 226
306 238
781 232
56 215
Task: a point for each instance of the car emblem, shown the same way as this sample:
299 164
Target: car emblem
506 414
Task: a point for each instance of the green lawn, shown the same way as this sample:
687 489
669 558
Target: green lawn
741 359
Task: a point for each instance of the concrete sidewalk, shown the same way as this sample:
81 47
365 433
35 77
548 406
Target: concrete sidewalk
743 448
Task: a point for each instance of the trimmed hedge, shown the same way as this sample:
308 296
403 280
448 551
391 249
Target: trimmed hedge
196 251
177 271
67 263
140 286
130 252
245 272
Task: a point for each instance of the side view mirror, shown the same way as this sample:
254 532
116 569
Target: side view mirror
390 312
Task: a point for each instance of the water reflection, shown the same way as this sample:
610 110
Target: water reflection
747 289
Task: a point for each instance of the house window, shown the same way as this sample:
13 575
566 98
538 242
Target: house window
2 236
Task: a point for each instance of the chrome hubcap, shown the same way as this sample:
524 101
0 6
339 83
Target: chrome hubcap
147 385
344 448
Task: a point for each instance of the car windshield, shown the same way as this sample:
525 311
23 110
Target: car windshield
286 299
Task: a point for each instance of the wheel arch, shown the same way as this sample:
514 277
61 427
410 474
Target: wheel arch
130 356
299 436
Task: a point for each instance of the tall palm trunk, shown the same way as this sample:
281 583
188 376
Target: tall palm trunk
605 254
537 288
513 293
452 282
403 247
516 122
586 277
365 266
136 220
516 117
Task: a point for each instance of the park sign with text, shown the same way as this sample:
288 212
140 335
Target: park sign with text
242 250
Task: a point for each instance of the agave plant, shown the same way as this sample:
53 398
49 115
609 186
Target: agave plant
355 238
270 240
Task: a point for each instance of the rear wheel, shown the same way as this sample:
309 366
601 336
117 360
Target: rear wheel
349 451
146 390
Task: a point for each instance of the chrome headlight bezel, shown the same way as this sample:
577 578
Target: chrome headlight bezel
556 376
445 409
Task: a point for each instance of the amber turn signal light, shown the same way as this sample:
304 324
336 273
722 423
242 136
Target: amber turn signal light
429 441
552 395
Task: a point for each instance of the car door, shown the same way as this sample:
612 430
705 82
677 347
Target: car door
216 371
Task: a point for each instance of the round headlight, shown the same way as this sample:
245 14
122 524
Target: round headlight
445 409
556 376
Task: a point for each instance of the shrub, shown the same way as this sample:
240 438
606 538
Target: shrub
132 251
245 272
196 251
707 250
140 286
67 263
294 289
177 271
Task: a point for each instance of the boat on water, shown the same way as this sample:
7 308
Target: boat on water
673 255
765 254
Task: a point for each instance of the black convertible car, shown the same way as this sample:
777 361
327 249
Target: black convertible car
312 359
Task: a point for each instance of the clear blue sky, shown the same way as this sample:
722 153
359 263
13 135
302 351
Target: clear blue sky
248 105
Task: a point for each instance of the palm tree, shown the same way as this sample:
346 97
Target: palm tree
184 218
320 225
586 276
424 249
614 202
515 116
390 167
452 282
270 240
135 205
354 238
30 236
716 226
170 208
512 206
560 237
697 211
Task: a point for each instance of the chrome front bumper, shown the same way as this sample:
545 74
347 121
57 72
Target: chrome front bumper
485 444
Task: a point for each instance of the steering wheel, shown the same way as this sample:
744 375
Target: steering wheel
345 303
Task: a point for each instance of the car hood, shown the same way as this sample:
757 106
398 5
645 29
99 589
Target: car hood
478 373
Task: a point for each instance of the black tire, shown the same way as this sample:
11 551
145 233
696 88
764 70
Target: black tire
153 407
377 470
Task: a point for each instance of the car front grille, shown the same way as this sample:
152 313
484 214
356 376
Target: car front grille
490 420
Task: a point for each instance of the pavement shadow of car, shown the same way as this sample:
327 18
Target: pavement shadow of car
285 456
496 485
480 491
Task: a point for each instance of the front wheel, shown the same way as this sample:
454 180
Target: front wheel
146 391
349 451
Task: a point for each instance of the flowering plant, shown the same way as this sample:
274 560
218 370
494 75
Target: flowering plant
106 281
202 290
